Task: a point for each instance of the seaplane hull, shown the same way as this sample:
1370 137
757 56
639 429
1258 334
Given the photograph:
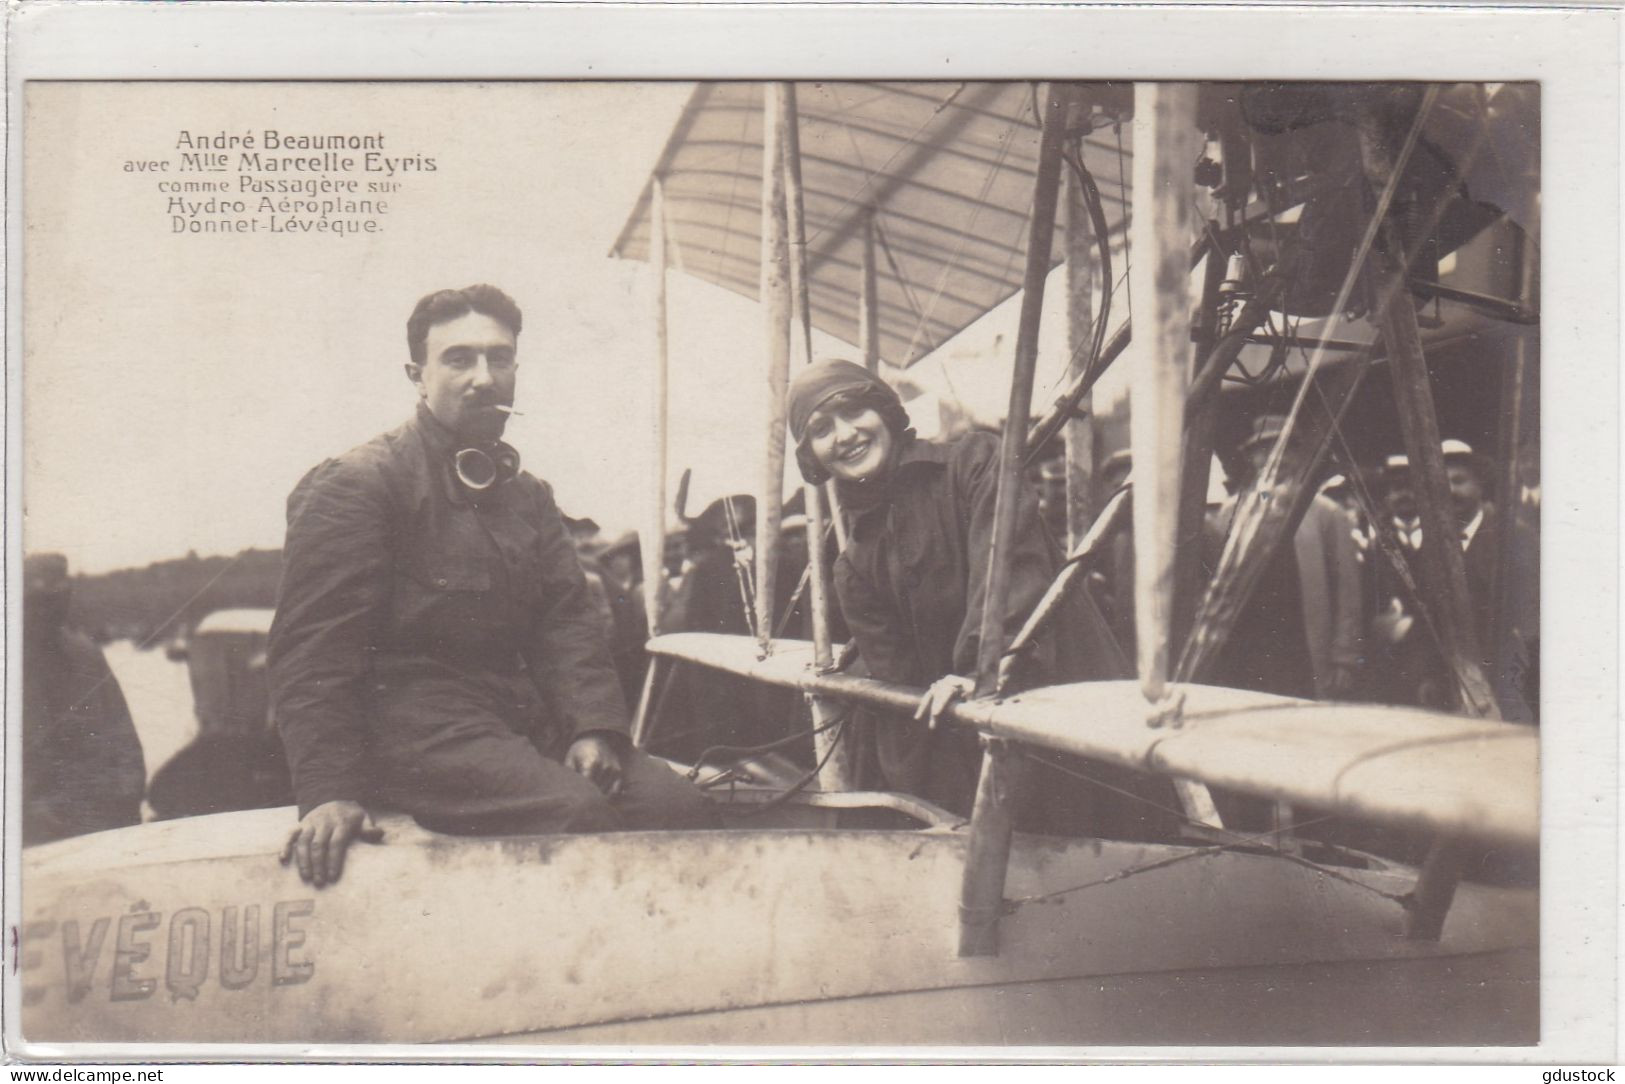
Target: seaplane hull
191 932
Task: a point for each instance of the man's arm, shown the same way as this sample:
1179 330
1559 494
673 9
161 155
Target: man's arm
567 652
334 588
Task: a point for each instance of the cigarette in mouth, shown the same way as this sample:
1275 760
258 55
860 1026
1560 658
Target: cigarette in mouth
510 410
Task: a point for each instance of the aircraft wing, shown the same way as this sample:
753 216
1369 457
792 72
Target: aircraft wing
949 168
1393 765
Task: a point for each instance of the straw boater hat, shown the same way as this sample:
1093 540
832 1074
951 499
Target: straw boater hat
1460 453
1454 451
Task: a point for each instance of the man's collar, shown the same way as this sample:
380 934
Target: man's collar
436 435
440 443
1472 527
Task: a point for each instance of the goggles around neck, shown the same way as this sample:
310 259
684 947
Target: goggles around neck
479 470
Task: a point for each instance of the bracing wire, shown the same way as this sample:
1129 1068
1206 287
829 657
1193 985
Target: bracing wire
1207 852
756 750
1251 509
801 784
1381 533
869 176
1108 289
1122 187
965 235
1238 839
747 589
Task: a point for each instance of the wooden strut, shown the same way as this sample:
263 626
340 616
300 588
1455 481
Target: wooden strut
1444 573
837 772
777 298
1065 405
1200 420
1243 560
1166 146
1079 561
869 298
1511 561
1013 443
1167 143
654 546
1200 410
646 712
1079 450
992 819
987 854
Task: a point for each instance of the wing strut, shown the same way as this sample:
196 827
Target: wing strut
832 754
992 818
1444 571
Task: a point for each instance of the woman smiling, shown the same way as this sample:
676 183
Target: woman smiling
912 584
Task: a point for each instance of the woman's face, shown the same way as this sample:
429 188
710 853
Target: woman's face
850 441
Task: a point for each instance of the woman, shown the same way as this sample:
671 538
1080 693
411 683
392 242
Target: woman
911 585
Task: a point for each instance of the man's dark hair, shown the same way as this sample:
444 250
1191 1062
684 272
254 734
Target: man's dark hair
444 305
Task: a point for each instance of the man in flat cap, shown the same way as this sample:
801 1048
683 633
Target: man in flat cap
82 764
1320 579
435 649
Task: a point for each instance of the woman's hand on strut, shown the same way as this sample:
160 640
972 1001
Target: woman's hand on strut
943 692
317 844
595 758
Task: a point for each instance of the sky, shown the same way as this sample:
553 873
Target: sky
178 384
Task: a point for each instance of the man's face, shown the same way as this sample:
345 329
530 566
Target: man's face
468 371
1401 499
1466 491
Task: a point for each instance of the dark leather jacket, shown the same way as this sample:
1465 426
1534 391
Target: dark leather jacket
403 596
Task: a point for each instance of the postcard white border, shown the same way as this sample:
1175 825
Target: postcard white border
1572 51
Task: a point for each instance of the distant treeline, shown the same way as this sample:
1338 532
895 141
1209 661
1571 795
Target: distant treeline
167 598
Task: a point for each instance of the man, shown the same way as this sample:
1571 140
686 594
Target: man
434 648
625 621
1424 677
1476 518
1325 580
82 764
1399 498
1503 648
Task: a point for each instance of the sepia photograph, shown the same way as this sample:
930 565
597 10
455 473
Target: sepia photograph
900 563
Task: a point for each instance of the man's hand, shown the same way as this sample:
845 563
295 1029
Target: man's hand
593 757
318 844
943 691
